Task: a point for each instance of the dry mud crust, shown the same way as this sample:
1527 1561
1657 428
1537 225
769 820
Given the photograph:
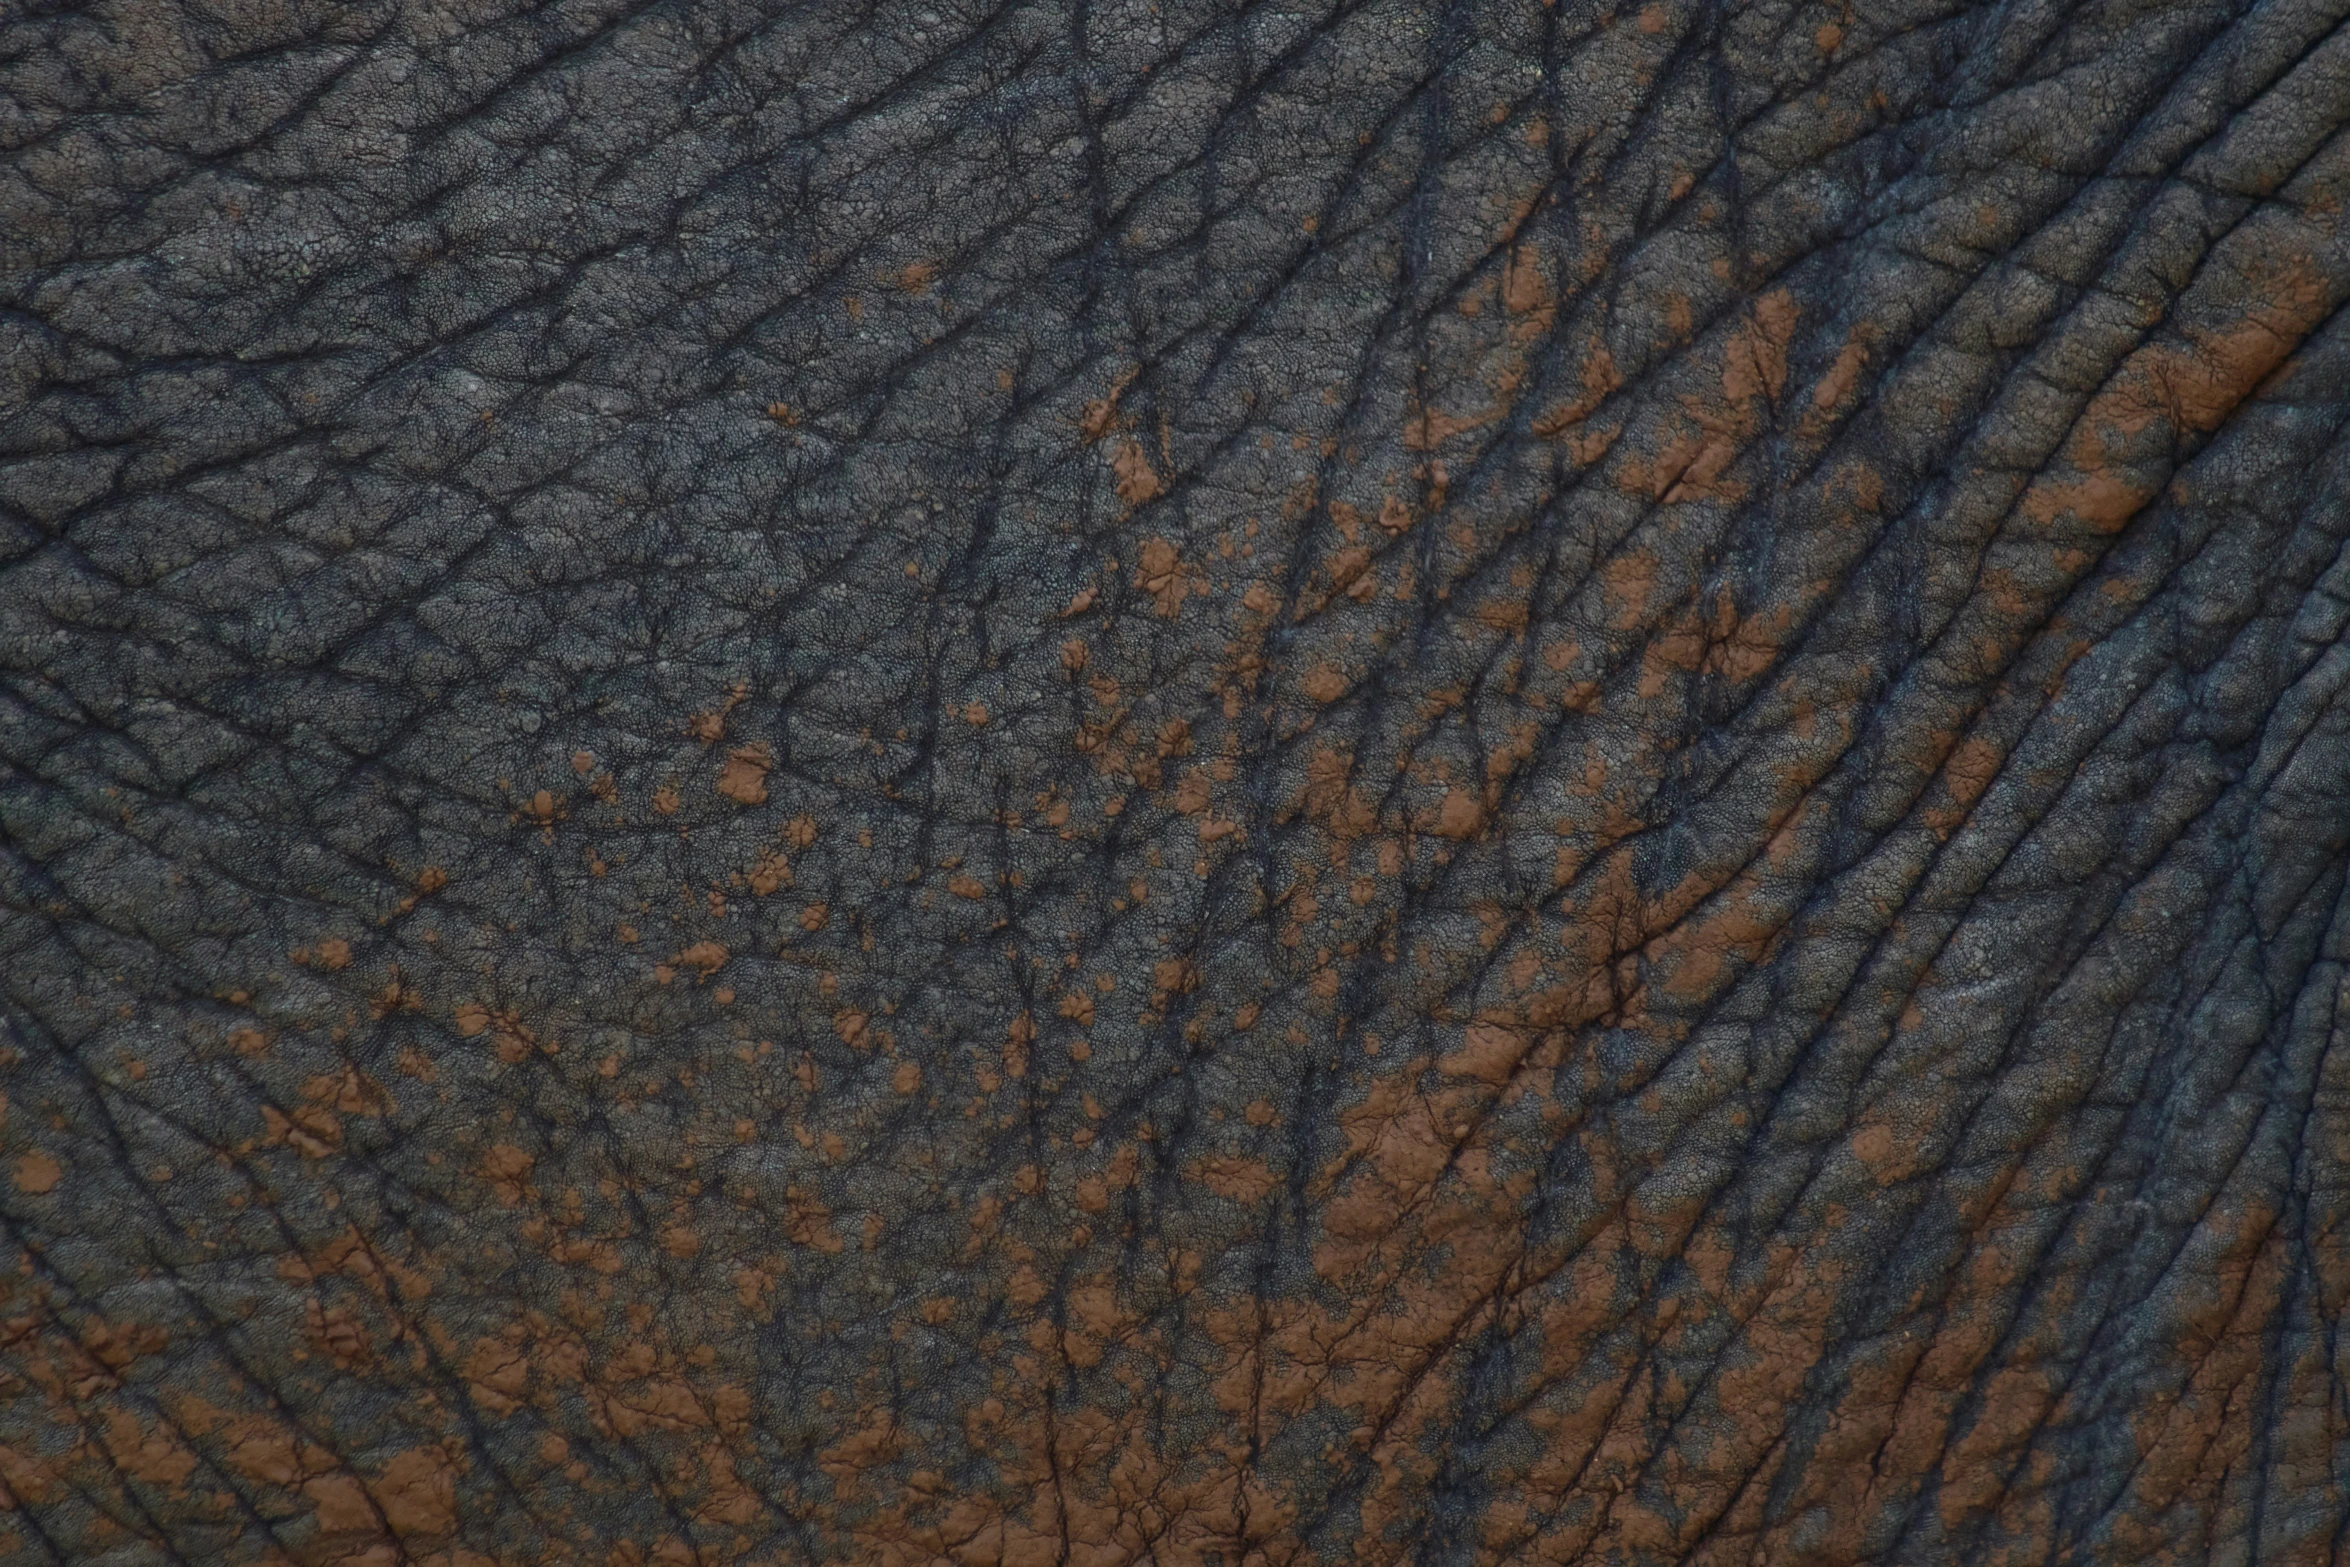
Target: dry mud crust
1200 783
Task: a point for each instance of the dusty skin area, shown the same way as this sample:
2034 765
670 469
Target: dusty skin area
1208 783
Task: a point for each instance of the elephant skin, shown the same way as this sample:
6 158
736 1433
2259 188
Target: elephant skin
1378 781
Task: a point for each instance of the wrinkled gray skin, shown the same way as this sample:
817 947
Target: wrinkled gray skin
1492 782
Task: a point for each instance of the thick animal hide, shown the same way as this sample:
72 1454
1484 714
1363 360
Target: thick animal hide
1081 781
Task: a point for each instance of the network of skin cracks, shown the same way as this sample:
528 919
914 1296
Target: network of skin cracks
1079 782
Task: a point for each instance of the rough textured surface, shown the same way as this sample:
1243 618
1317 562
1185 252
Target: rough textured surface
1203 782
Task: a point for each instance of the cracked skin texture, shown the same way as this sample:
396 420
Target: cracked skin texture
1386 782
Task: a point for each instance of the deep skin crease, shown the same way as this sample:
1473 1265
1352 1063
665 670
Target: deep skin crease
1396 781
